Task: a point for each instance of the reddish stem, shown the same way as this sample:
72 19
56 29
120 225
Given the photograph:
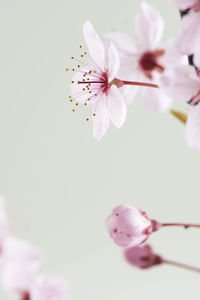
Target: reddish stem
179 265
123 82
185 225
140 83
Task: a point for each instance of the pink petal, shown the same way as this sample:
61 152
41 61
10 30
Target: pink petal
19 251
94 44
113 62
188 37
17 278
180 83
116 107
101 119
149 26
124 44
192 129
197 57
184 4
156 100
46 288
172 56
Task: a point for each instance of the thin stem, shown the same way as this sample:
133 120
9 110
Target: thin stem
140 83
120 83
180 265
185 225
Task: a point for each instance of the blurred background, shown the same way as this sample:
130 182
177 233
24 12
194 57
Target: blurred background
60 183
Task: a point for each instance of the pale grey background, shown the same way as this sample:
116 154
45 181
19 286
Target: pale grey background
60 183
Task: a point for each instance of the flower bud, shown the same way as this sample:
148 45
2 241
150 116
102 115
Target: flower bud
129 226
142 256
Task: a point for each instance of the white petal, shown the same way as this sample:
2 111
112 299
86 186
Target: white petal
124 44
101 119
180 83
113 62
172 56
94 44
192 129
156 100
197 57
116 107
149 25
188 36
183 4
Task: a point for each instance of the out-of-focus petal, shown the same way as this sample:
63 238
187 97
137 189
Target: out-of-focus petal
17 278
46 288
188 36
180 83
94 44
113 62
101 118
192 129
124 44
183 4
172 56
116 107
149 26
17 251
156 100
197 57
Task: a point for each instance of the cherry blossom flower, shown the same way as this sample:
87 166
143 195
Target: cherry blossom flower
188 36
95 84
147 58
20 262
129 226
183 84
49 288
142 256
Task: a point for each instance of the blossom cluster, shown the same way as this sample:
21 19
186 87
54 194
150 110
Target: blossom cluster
20 263
110 76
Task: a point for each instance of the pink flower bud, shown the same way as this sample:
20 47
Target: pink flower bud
142 256
129 226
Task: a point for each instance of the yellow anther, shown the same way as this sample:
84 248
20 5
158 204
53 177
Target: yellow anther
72 81
72 57
67 69
85 104
78 66
94 115
76 104
73 110
81 46
87 119
73 70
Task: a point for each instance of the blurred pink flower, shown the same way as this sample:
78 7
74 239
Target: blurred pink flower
129 226
183 83
188 36
49 288
147 58
95 84
20 262
142 256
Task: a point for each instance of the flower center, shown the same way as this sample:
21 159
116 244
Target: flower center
149 62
